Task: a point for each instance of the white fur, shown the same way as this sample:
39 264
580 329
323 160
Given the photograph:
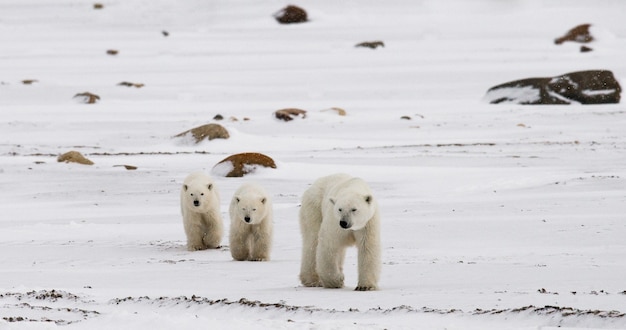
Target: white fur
251 223
202 221
339 211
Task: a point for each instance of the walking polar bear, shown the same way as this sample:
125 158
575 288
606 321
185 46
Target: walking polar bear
200 207
251 224
339 211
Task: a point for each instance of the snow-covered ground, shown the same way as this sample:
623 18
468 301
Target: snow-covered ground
494 216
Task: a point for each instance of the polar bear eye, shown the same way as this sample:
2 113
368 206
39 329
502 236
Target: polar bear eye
340 210
353 210
202 194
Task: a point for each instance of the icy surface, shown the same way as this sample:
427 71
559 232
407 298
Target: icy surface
493 216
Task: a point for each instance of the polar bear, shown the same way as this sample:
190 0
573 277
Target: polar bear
200 206
339 211
251 225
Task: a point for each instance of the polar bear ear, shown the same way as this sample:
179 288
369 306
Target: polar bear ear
368 199
332 201
185 187
210 186
263 200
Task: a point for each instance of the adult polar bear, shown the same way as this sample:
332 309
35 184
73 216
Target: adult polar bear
339 211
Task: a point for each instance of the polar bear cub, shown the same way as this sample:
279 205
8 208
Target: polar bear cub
251 225
339 211
200 206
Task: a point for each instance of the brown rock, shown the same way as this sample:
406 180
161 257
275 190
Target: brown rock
98 6
208 131
238 165
74 157
585 87
128 167
579 33
289 114
112 52
29 81
291 14
339 111
88 97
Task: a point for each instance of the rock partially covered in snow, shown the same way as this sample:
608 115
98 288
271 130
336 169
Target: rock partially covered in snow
579 33
291 14
289 114
209 132
74 157
584 87
238 165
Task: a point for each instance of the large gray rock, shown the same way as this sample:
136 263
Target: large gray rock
584 87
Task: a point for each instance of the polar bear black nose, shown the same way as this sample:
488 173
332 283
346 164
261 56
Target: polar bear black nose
344 224
196 203
246 219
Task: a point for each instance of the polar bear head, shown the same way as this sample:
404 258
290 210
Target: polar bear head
353 211
250 208
199 195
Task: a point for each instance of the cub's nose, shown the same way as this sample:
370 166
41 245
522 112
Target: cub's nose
247 219
196 203
344 224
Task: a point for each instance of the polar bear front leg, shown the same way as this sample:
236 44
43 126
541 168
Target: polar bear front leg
329 263
212 231
369 260
261 242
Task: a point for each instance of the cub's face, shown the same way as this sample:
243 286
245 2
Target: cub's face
250 210
352 212
197 197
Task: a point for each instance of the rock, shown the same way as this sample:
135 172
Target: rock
585 87
289 114
579 33
130 84
112 51
339 111
209 131
218 117
74 157
128 167
88 97
238 165
371 44
29 81
98 6
585 49
291 14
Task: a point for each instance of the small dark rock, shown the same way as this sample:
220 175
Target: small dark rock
291 14
371 44
585 49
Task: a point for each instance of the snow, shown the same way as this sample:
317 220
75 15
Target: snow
493 216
